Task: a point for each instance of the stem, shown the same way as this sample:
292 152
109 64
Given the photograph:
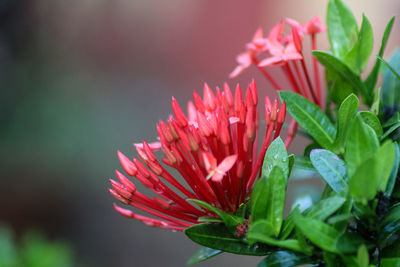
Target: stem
303 65
316 72
303 86
290 76
267 75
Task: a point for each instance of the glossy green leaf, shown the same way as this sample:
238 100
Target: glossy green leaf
285 259
319 233
331 168
391 84
229 220
376 105
346 112
276 155
268 200
357 57
339 68
390 262
370 82
310 117
361 144
393 173
372 120
342 27
217 236
324 208
258 233
202 255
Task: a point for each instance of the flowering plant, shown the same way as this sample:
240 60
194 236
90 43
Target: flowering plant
233 196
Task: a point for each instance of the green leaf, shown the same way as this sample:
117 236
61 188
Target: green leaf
331 168
202 255
339 68
391 84
268 200
364 183
258 233
342 27
324 208
209 219
370 82
276 155
390 262
229 220
372 120
303 162
363 256
319 233
310 117
350 242
217 236
285 259
393 174
357 57
390 130
361 144
346 112
289 224
390 225
385 157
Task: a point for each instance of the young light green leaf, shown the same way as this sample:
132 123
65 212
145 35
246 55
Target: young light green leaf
370 82
288 224
342 27
385 157
217 236
324 208
203 254
331 168
375 107
361 144
268 199
357 57
258 233
285 259
310 117
339 68
346 112
373 121
364 183
276 155
363 256
319 233
229 220
393 174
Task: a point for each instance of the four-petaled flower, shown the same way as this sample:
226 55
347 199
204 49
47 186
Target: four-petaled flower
214 149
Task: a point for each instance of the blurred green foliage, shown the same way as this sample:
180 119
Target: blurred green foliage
34 250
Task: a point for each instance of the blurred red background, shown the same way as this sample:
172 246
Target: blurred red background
81 79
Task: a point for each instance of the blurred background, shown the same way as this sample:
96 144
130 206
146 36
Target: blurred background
80 79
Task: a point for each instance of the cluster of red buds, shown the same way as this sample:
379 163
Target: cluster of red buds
214 149
242 229
286 52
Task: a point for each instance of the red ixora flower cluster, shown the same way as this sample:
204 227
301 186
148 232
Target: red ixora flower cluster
214 149
286 52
